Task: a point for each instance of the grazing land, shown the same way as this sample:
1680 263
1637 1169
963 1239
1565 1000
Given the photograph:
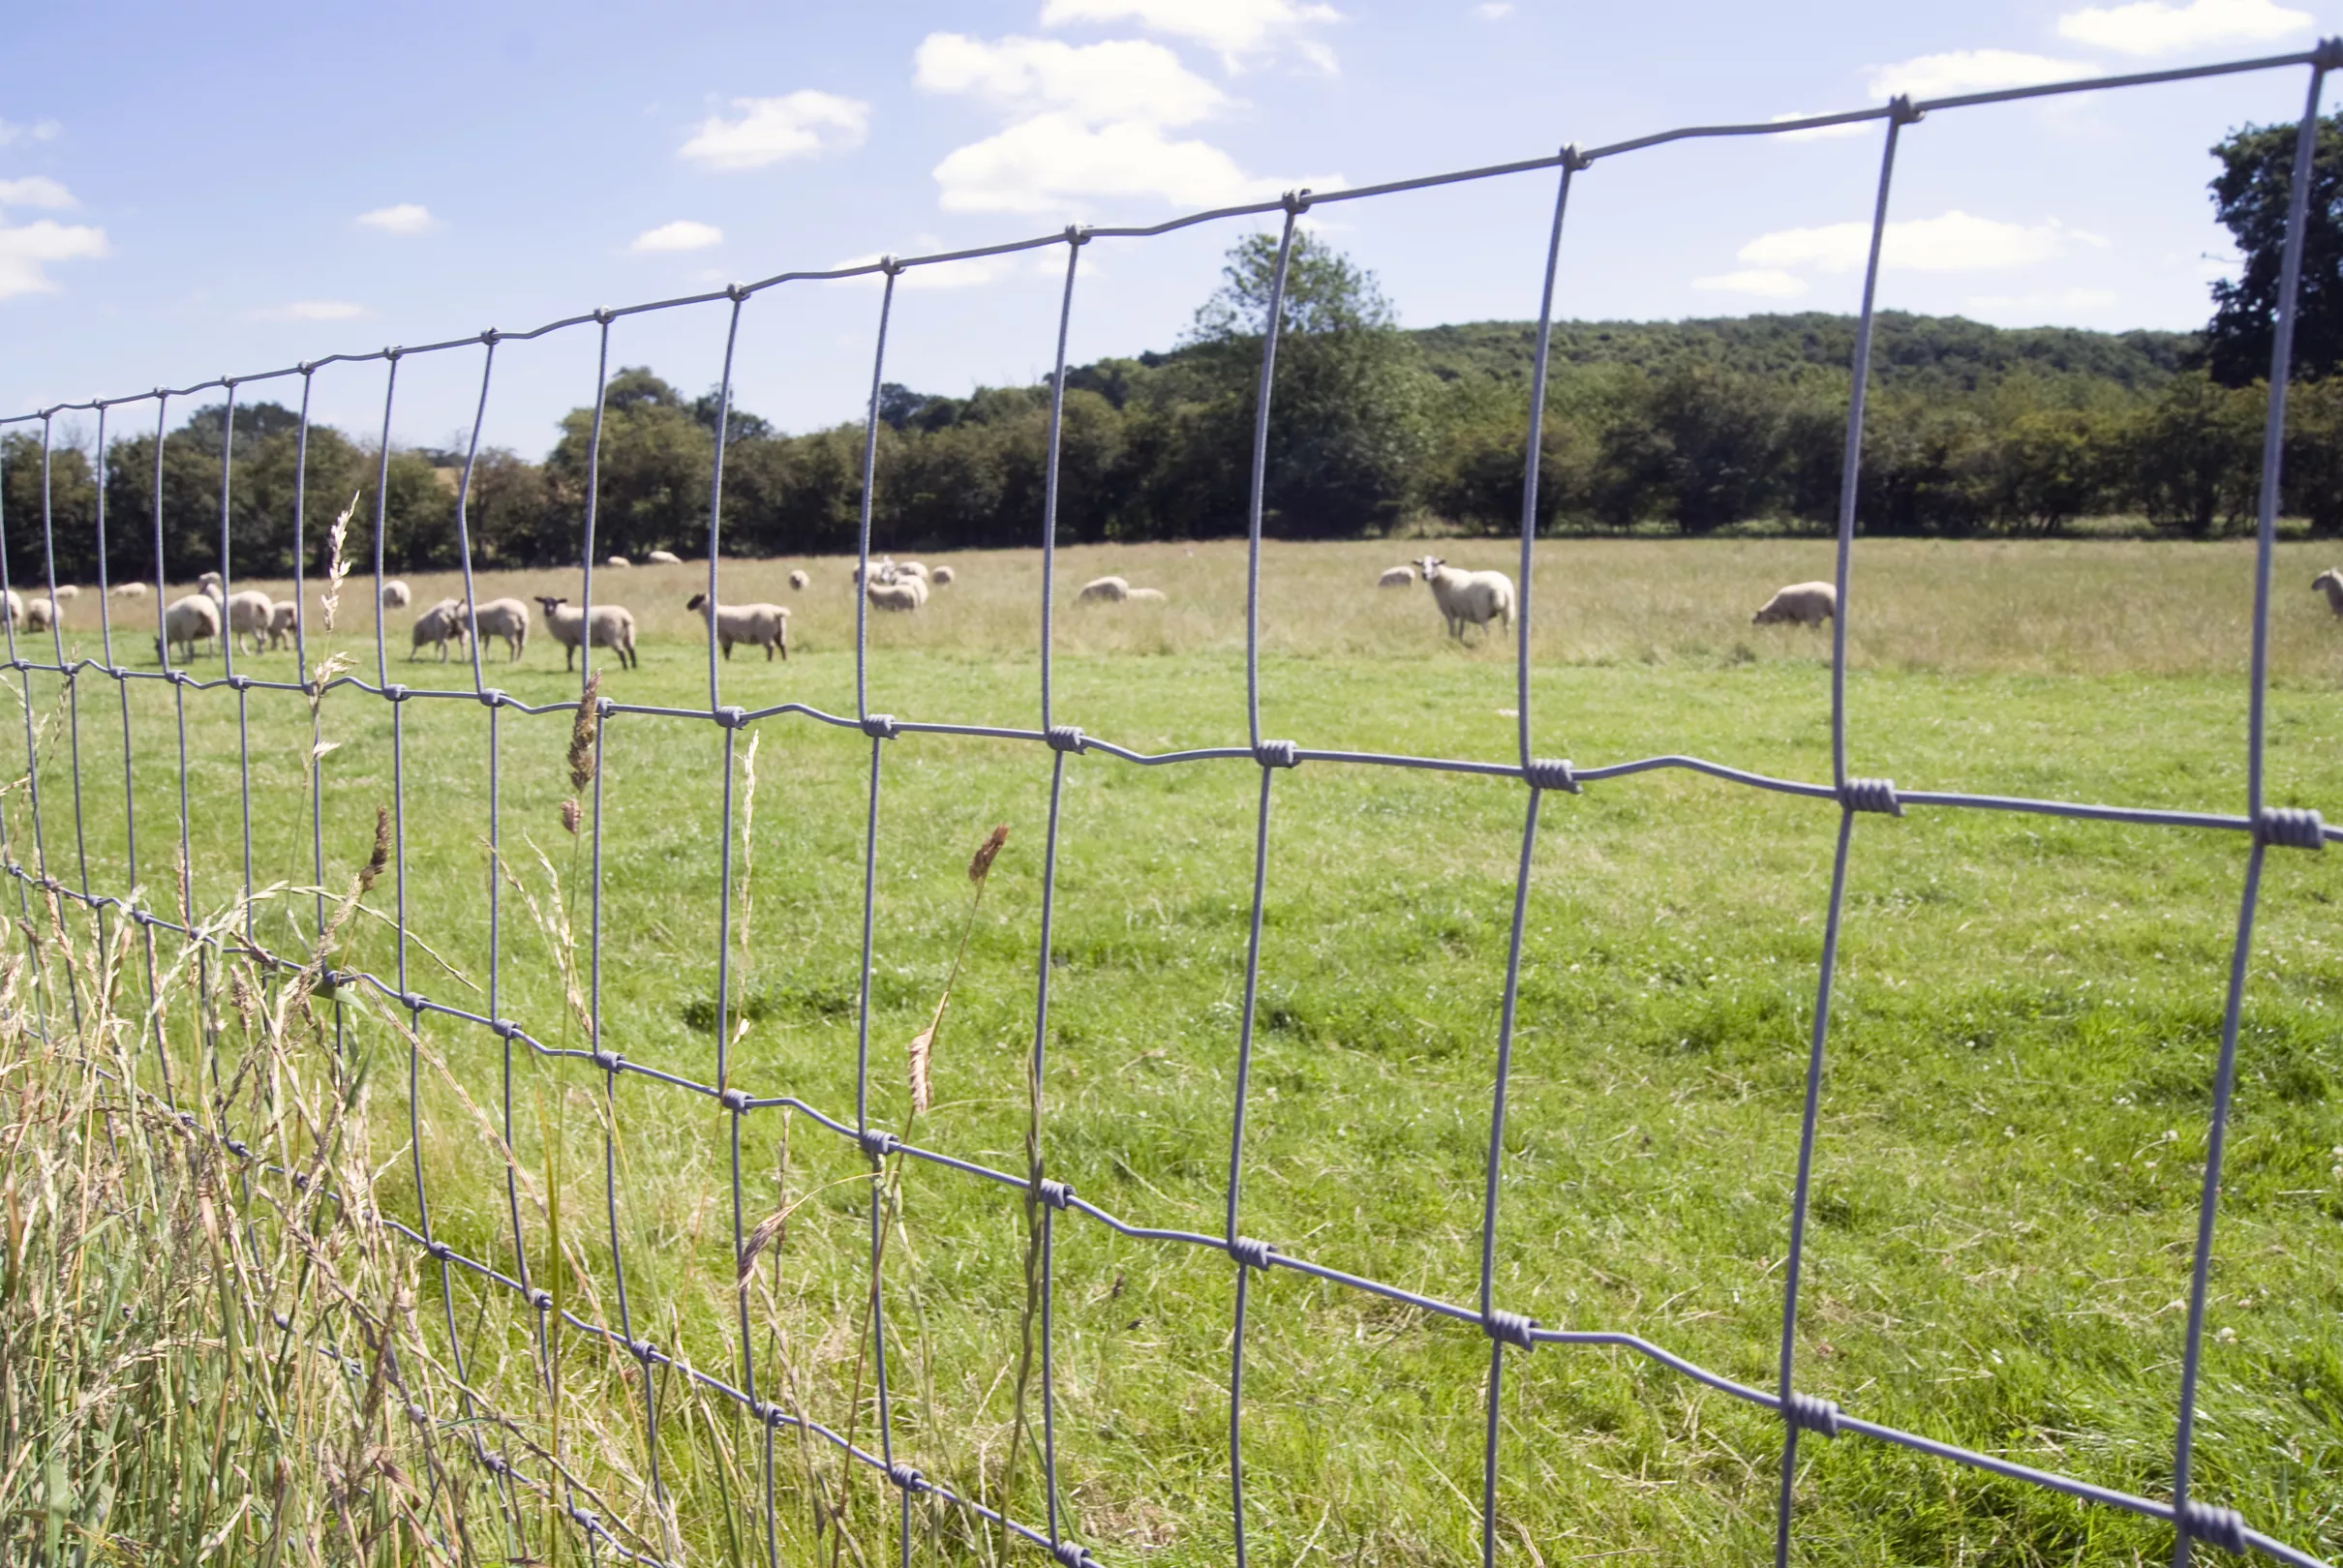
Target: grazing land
2014 1111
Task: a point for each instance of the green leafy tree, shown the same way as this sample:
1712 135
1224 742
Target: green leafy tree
656 462
2250 197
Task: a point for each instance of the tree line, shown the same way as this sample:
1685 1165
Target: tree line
1685 427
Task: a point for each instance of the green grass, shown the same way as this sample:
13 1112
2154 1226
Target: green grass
2019 1076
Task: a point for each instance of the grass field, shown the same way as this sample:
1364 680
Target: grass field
2019 1076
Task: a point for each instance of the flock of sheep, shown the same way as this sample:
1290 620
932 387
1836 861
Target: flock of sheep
1476 598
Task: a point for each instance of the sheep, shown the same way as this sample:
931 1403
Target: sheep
881 570
613 628
41 614
1468 598
1147 596
284 623
190 620
2332 580
439 625
395 595
505 619
911 568
941 577
1396 577
663 558
213 583
12 607
1808 604
766 625
911 593
127 590
798 580
65 594
619 561
1113 588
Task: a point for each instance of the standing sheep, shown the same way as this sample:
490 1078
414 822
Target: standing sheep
911 593
762 625
881 570
2332 580
941 577
1468 598
41 614
613 628
798 580
133 589
193 620
12 607
1808 604
1396 577
663 558
507 619
440 624
395 595
1114 589
284 625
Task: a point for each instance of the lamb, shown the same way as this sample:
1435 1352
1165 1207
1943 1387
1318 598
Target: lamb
911 593
395 595
127 590
1396 577
1468 598
284 623
1808 604
613 628
1147 596
439 625
663 558
505 619
798 580
1114 589
250 612
941 577
766 625
190 620
2332 580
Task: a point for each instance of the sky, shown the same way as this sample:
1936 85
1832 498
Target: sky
188 193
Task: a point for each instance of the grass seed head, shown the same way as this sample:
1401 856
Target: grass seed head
380 859
337 563
572 816
582 733
981 867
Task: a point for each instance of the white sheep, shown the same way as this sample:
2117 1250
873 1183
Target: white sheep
1468 598
1114 589
65 594
911 593
193 620
760 626
663 558
133 589
2332 580
1396 577
911 568
881 570
620 563
395 595
1808 604
437 626
284 625
1147 596
613 628
12 607
41 614
798 580
941 577
249 614
503 619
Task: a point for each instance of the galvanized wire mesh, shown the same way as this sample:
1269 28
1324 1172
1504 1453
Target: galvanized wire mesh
2193 1517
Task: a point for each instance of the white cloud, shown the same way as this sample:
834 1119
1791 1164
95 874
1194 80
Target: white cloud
680 236
1237 29
312 310
405 218
769 130
1853 128
2051 301
1096 84
33 191
40 131
1972 70
1765 283
26 250
1494 11
1955 242
2155 27
1046 164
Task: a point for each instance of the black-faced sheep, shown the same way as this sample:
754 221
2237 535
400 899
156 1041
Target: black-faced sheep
760 626
437 626
507 619
613 628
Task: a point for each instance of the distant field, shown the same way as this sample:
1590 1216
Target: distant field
2016 1104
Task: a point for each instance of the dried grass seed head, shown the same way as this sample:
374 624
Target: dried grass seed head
584 733
981 867
377 861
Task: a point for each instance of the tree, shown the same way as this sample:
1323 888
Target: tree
2250 197
655 465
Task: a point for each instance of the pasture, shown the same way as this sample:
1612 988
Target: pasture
2018 1075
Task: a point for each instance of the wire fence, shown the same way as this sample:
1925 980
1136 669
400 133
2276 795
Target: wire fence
2194 1518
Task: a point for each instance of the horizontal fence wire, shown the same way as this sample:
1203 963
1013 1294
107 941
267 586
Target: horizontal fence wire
2193 1518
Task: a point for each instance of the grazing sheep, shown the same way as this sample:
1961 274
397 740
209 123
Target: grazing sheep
249 614
1147 596
941 577
284 625
193 620
762 625
613 628
911 593
440 624
395 595
619 562
12 607
1396 577
1468 598
798 580
505 619
41 614
65 594
1809 604
663 558
911 568
127 590
1114 589
2332 580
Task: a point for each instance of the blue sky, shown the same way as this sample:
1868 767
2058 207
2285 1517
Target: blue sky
188 192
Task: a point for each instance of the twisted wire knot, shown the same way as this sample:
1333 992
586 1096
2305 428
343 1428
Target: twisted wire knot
1870 795
905 1477
731 718
2224 1528
300 1181
734 1100
607 1060
1070 1555
494 1463
395 693
1573 159
1064 738
1296 201
879 726
877 1143
644 1351
1510 1328
1550 773
439 1251
2289 828
2329 54
1253 1254
1811 1412
541 1299
1900 111
504 1029
1057 1194
236 1147
495 697
239 682
1277 754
